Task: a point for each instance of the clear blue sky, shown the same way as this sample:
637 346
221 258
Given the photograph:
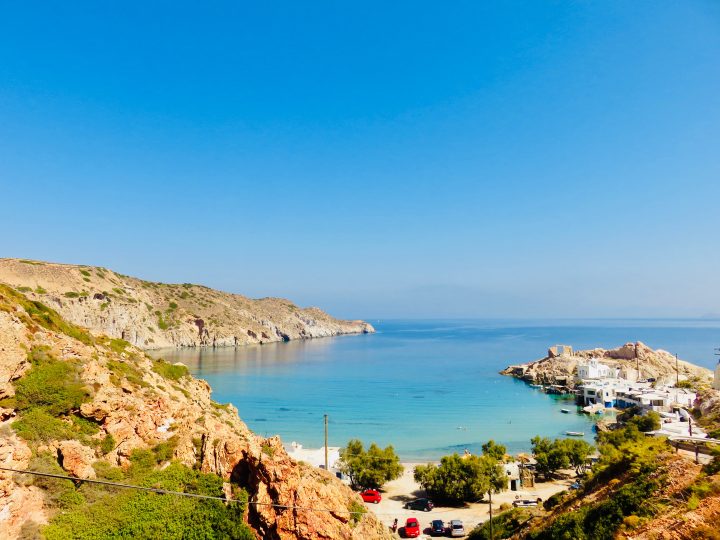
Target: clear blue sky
378 159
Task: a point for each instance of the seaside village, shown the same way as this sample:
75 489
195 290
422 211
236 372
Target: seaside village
600 388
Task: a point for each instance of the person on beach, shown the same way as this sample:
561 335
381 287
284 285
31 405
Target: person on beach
394 526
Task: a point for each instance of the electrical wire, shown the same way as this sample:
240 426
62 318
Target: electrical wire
200 496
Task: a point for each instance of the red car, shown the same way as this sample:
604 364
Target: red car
371 496
412 528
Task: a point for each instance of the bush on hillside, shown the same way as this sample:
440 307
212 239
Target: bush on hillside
136 514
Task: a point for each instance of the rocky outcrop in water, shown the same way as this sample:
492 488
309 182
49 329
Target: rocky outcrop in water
153 315
137 402
560 368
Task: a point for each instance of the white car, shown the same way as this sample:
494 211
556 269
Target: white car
456 528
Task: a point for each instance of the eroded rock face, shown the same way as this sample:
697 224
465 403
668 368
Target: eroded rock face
154 315
140 409
76 459
562 369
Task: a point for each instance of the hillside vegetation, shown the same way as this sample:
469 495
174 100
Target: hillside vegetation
638 489
77 403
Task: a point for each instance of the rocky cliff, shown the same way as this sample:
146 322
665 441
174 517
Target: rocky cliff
153 315
562 368
102 399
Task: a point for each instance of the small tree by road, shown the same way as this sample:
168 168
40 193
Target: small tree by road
371 468
461 479
551 456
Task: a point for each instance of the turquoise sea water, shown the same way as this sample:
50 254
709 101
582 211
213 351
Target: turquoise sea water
429 388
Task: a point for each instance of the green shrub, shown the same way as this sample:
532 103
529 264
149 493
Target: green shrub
107 444
84 427
40 290
162 324
127 371
105 471
71 294
504 524
165 450
85 273
40 314
356 511
554 500
174 372
173 305
118 345
693 502
24 289
136 514
50 384
37 426
57 492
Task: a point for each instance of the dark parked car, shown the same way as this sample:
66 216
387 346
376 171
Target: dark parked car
420 504
437 528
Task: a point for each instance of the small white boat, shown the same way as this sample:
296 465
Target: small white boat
566 411
575 433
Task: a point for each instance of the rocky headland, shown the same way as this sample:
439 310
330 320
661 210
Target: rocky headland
635 361
153 315
103 400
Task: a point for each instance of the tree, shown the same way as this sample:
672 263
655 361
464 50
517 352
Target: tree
559 454
461 479
577 452
369 469
494 450
646 422
550 456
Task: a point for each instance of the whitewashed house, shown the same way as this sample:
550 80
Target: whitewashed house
596 370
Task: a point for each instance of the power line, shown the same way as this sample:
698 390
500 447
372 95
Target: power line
200 496
177 493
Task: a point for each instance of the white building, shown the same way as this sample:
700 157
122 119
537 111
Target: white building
596 370
604 392
664 398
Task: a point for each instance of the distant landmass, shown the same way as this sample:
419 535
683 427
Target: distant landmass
153 315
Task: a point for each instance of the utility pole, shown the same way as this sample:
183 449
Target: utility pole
491 527
326 442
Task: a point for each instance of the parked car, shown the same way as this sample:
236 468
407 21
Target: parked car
437 528
575 485
527 502
371 496
457 528
420 504
412 528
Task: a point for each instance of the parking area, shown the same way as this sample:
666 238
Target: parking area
396 493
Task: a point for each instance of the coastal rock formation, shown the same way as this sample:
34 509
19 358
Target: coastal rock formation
635 361
136 402
153 315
